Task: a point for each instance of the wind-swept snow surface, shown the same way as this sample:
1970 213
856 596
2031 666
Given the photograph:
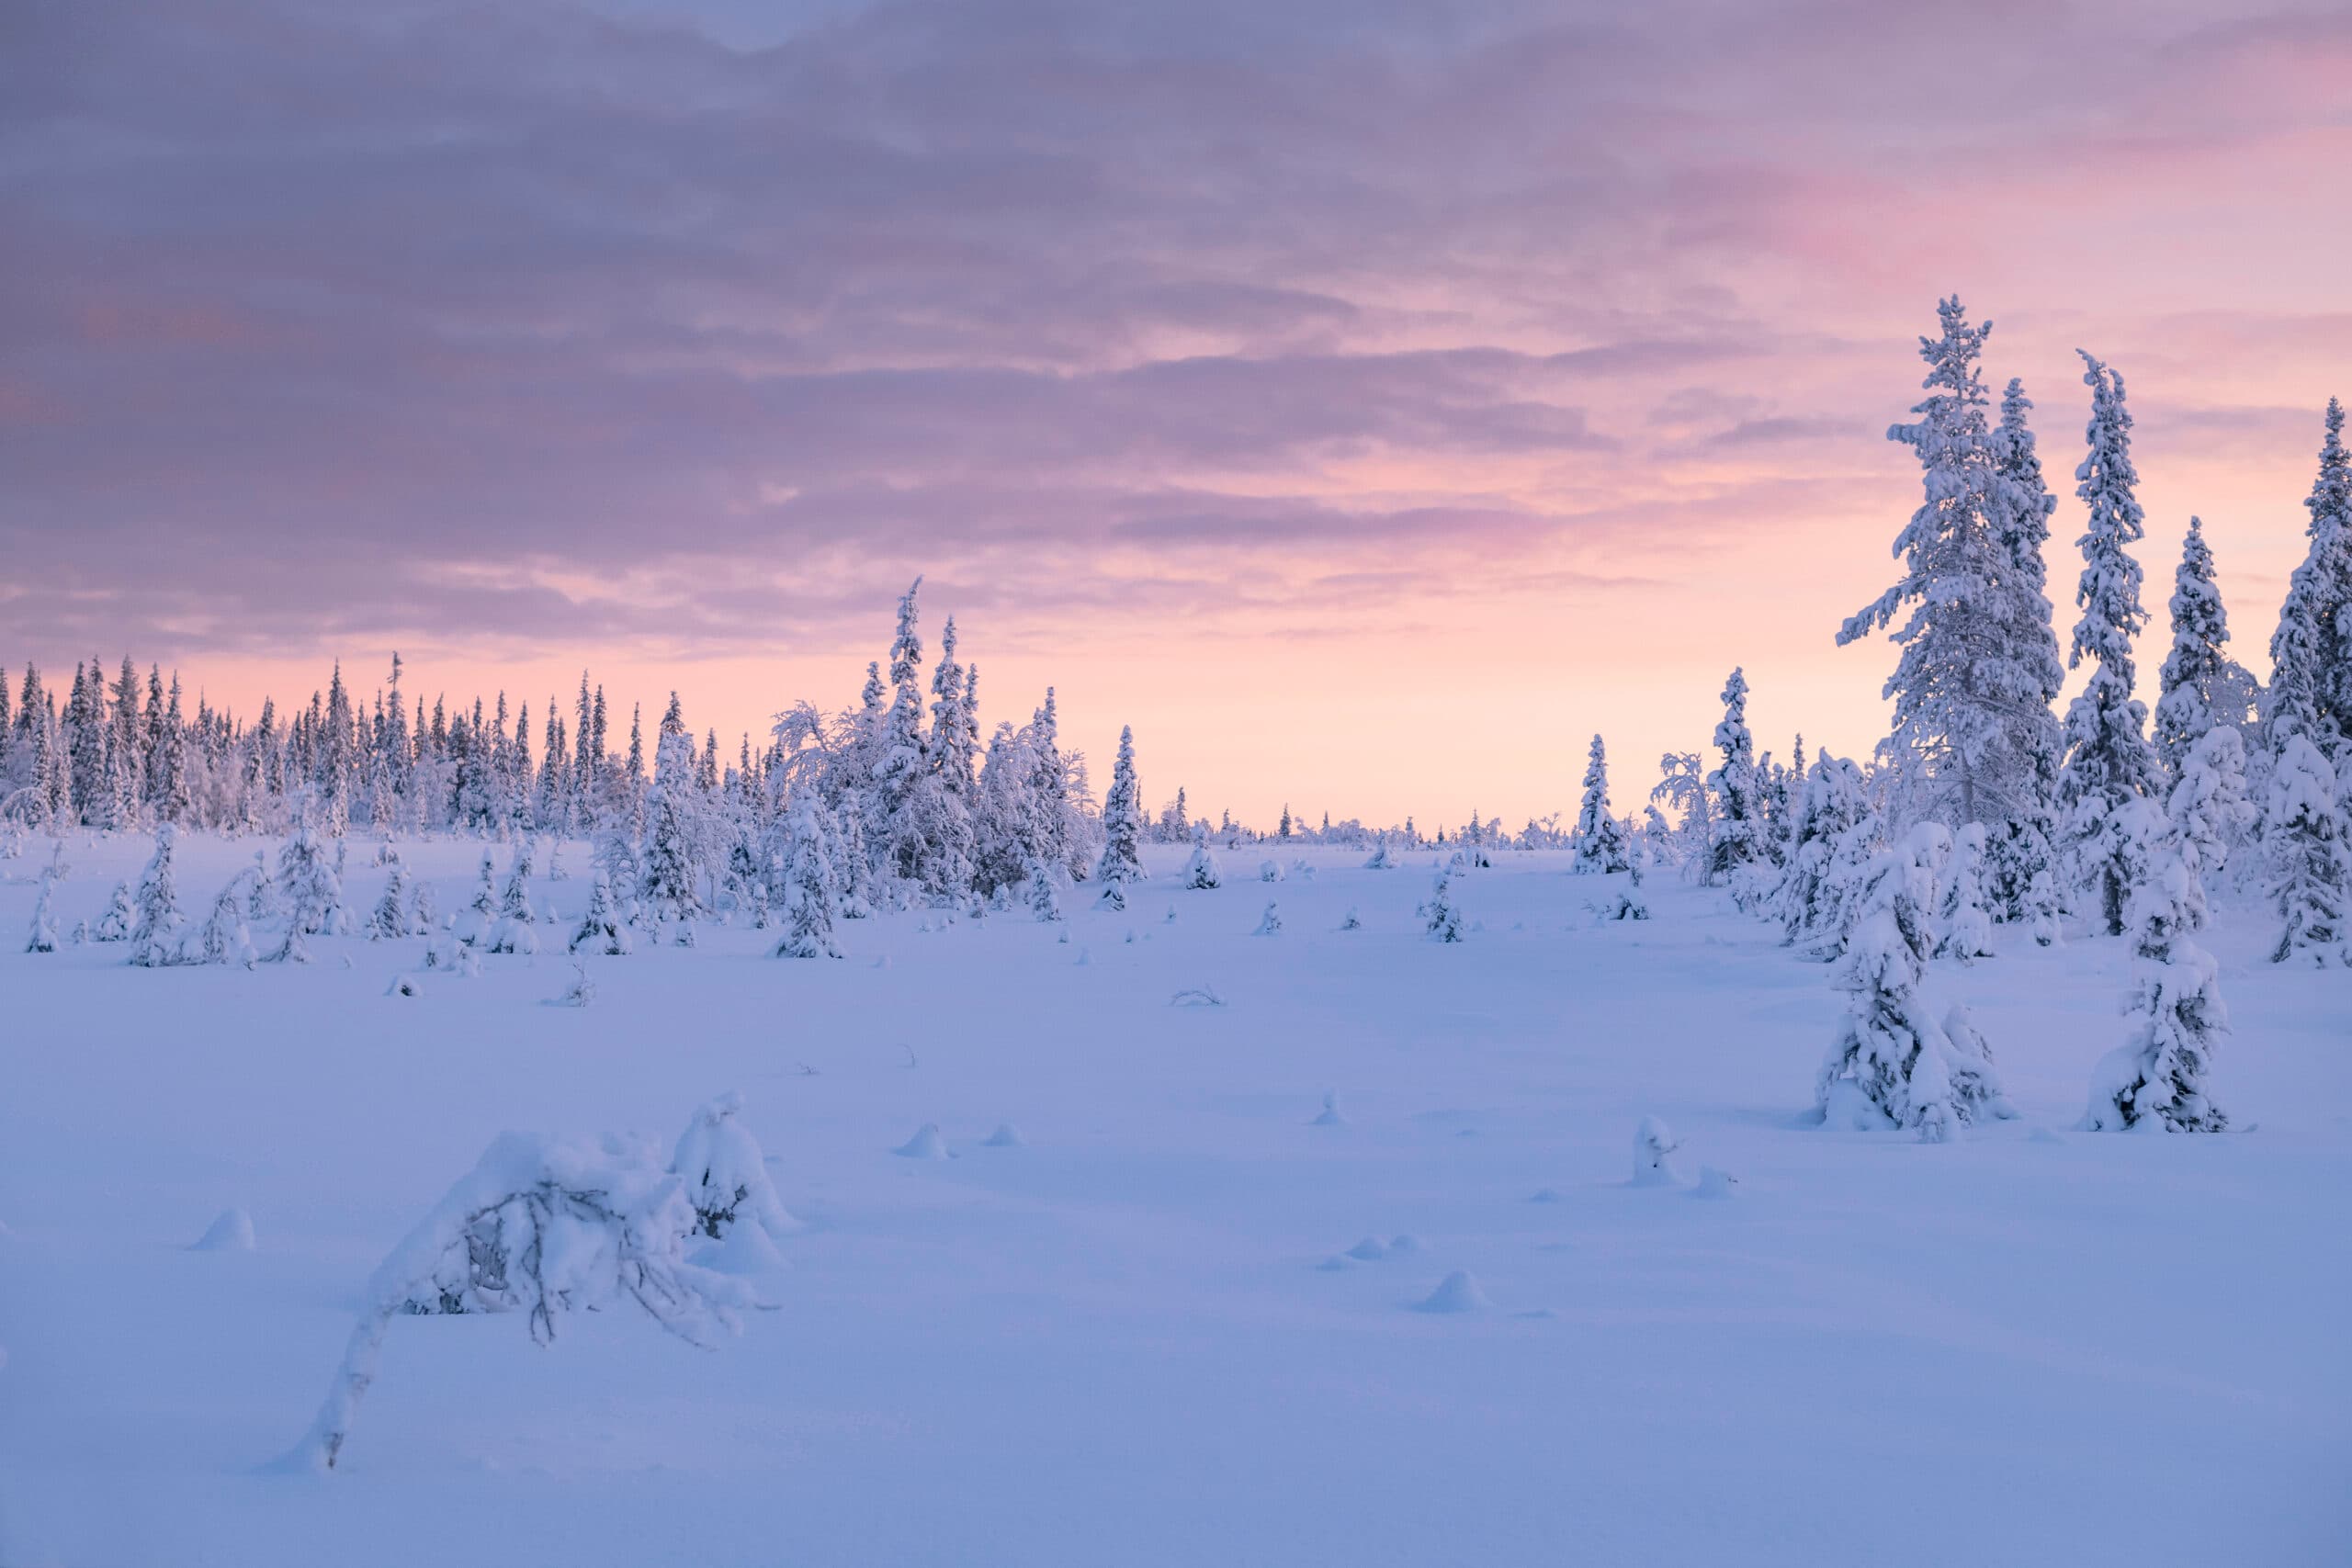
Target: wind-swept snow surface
1110 1336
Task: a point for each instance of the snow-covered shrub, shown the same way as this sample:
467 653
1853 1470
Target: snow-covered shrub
479 918
1269 923
1654 1146
1202 872
1381 860
1270 870
512 931
1354 922
2157 1077
726 1173
540 1226
811 888
1906 1069
44 928
2021 876
582 992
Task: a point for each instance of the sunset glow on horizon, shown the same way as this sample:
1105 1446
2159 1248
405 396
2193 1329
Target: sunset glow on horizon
1366 403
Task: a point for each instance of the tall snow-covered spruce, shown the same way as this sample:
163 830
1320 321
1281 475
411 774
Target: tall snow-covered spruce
1972 687
2108 762
1122 862
2195 676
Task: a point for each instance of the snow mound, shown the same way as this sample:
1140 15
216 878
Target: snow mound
232 1232
1196 996
1407 1243
2044 1136
1006 1136
1458 1291
925 1145
1713 1183
1846 1109
1544 1195
1370 1249
1337 1263
1330 1116
744 1251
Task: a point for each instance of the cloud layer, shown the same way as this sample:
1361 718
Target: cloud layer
543 332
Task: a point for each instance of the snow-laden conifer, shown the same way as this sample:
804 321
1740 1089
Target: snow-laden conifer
1600 840
1964 927
390 921
2311 653
2157 1077
1894 1064
1972 685
154 933
2108 762
1835 841
1442 915
2304 838
2209 808
1122 859
1735 837
811 889
116 923
2196 672
1044 901
224 938
602 929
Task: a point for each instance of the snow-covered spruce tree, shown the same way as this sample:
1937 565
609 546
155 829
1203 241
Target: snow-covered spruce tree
1442 916
1735 840
513 931
670 889
1892 1062
2196 667
1122 860
540 1226
1972 685
2208 808
153 936
481 914
617 861
726 1174
811 888
2157 1077
1045 902
116 923
2304 838
2311 653
44 930
1965 929
1836 840
263 900
2109 762
602 929
224 938
1600 842
390 920
1202 872
312 892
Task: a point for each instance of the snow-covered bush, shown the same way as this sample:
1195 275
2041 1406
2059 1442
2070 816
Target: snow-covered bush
1270 870
1045 902
1202 872
390 920
43 938
513 932
726 1173
541 1226
1654 1146
224 939
811 888
1269 923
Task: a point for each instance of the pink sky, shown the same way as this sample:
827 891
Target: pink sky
1367 403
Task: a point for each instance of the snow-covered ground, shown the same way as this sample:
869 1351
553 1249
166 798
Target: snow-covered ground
1139 1336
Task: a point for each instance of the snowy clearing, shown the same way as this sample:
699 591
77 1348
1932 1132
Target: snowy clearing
1157 1303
